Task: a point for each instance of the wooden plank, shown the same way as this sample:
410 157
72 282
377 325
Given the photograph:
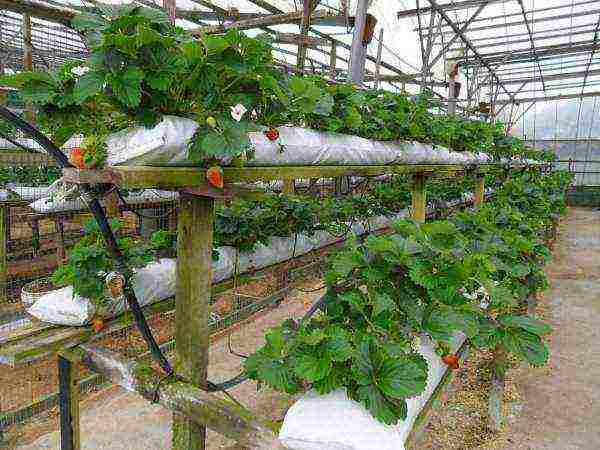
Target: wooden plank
479 193
192 307
139 177
69 400
248 429
20 158
4 214
419 198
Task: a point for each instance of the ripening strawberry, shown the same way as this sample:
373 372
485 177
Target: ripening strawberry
272 134
451 361
215 176
97 324
76 157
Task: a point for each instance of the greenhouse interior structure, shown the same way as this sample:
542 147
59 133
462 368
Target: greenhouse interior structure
307 225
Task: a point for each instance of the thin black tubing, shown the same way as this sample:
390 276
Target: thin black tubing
111 242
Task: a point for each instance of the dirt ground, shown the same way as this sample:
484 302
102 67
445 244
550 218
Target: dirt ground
556 407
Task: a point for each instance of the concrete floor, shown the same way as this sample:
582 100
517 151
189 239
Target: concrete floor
561 408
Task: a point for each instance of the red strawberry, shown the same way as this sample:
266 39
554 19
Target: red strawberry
76 157
272 134
97 324
451 361
215 176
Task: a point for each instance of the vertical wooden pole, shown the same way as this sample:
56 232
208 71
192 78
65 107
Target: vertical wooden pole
333 61
194 275
307 7
4 213
112 205
419 197
171 8
68 401
378 64
61 252
28 60
479 194
358 49
288 186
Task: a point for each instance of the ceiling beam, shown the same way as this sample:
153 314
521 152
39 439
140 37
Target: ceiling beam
555 77
446 7
467 42
517 101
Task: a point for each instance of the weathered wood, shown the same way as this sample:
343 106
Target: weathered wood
378 62
479 193
358 50
496 393
333 61
275 19
192 307
69 400
295 39
419 197
4 214
307 9
37 9
111 204
27 59
19 158
288 186
204 409
139 177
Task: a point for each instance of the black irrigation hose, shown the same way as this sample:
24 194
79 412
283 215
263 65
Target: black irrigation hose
111 242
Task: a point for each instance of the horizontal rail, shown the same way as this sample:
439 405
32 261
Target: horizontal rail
220 415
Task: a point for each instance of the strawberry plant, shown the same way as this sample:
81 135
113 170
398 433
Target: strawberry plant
465 274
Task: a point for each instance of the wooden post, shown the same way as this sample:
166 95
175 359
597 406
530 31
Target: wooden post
61 252
358 49
4 213
112 205
419 197
28 60
307 7
378 63
333 61
288 186
194 276
68 400
479 194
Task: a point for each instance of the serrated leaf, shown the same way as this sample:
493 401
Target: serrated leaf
314 337
88 85
527 323
128 86
312 368
215 44
519 270
276 375
402 378
381 408
338 345
526 345
382 302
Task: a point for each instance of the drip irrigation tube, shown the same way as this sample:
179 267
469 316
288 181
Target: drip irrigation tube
109 238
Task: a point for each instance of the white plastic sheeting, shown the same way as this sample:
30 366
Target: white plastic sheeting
333 421
167 144
62 197
59 307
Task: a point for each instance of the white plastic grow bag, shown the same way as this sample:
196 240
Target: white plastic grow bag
333 421
167 144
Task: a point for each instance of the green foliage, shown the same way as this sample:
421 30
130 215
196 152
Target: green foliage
468 274
89 261
142 68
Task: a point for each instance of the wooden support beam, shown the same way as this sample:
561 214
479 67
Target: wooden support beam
4 233
358 50
288 186
37 9
69 400
27 60
204 409
111 204
192 307
496 393
307 9
275 19
479 194
419 197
